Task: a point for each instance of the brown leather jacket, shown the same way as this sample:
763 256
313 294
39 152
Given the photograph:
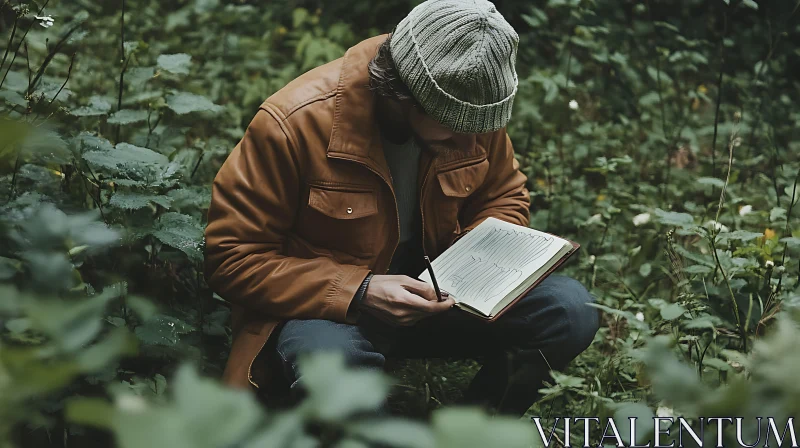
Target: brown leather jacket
303 208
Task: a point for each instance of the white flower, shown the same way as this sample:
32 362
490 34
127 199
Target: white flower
45 21
573 105
769 264
745 210
131 403
665 412
717 226
641 219
640 316
592 259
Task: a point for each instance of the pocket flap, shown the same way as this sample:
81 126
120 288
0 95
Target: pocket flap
343 204
462 182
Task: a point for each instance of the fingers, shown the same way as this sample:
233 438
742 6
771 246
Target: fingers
422 289
429 306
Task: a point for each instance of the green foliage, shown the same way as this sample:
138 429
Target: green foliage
662 138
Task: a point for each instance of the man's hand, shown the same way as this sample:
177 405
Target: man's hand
402 300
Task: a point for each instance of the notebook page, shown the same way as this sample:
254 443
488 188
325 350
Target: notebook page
490 261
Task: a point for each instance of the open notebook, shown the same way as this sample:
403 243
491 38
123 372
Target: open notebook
495 264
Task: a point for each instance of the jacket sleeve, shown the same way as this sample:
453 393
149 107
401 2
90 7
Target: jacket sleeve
254 202
503 194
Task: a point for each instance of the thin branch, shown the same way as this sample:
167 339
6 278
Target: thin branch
50 55
28 63
10 41
713 239
66 80
20 43
787 229
719 94
14 178
197 165
124 64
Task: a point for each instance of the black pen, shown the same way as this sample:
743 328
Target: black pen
433 278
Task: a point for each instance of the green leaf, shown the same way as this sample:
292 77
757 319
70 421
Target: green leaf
98 105
672 311
655 75
213 415
185 103
137 76
630 317
791 241
644 422
125 154
160 330
88 142
697 269
567 381
706 321
716 363
750 4
136 201
175 63
9 267
335 393
181 232
472 428
95 412
645 269
674 218
128 116
738 235
649 99
109 349
777 214
142 307
13 98
396 432
711 181
299 16
72 324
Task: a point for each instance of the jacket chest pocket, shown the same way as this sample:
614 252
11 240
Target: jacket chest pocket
456 186
462 182
341 219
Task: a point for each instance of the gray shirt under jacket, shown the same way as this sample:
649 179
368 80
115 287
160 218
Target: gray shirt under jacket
403 161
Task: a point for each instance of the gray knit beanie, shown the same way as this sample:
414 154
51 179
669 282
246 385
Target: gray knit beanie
457 57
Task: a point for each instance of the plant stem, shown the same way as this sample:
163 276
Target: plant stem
787 229
10 42
16 51
714 238
719 95
124 64
50 55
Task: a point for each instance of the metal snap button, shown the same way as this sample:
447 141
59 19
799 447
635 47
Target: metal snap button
349 210
468 188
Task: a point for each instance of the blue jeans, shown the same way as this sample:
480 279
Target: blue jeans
545 330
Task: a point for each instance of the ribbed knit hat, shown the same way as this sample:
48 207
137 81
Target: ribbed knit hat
457 57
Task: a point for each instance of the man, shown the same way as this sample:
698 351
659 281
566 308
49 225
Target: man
348 176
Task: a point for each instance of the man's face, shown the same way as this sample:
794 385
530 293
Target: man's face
435 134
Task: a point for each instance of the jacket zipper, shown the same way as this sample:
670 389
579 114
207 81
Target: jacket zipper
252 361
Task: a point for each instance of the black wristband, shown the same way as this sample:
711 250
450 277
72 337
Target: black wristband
361 291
